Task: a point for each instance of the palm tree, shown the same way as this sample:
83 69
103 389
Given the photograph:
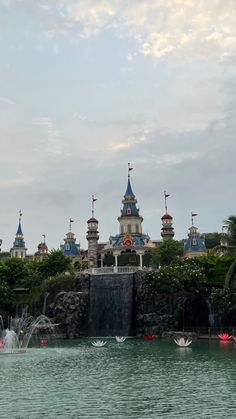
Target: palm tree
230 280
231 226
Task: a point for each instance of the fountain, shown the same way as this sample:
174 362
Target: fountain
15 339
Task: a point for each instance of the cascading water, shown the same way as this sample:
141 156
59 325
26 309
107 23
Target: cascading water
10 342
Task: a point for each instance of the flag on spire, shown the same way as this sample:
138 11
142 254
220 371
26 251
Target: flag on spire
94 199
129 167
71 221
166 195
193 214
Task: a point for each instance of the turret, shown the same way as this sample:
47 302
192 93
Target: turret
92 237
70 247
194 245
19 250
167 231
130 220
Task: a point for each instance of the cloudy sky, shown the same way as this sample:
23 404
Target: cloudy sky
87 86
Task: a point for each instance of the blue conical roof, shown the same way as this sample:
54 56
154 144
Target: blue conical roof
129 191
19 230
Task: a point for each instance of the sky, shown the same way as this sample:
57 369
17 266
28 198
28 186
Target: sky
88 86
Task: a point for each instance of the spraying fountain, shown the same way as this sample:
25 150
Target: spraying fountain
15 339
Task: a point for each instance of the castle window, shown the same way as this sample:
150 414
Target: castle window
129 228
137 228
16 254
194 242
122 229
128 212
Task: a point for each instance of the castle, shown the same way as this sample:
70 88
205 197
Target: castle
130 247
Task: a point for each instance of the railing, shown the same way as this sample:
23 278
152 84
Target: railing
116 269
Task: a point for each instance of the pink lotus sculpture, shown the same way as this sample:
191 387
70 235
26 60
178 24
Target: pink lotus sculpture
224 336
150 337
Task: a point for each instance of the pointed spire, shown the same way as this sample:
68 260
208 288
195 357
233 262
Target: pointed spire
19 232
19 249
129 191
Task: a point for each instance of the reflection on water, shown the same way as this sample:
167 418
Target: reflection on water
137 379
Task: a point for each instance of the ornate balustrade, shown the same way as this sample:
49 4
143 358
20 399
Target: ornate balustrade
116 269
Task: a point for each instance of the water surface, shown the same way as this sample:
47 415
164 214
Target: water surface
136 379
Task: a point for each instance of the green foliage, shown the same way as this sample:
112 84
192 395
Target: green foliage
184 276
224 302
5 293
212 240
215 268
52 285
230 279
56 263
231 224
13 271
167 252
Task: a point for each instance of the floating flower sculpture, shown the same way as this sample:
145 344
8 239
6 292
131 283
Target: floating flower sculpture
224 336
43 342
150 337
184 343
120 339
99 343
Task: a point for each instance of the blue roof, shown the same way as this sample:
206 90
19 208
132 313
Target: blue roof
129 191
19 230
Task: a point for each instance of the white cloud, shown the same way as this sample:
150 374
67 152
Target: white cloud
52 141
6 101
159 27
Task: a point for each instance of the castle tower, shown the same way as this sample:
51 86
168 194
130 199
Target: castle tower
130 220
92 237
42 249
70 247
19 250
194 245
167 231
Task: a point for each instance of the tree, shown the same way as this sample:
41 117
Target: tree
231 225
167 252
56 263
212 240
13 271
215 268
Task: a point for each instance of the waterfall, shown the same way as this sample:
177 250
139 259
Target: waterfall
111 305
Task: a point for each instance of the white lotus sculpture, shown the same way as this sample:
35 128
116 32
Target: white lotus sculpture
183 343
120 339
99 343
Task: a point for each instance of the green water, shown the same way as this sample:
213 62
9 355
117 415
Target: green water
136 379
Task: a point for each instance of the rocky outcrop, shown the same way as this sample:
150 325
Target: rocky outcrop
70 309
153 312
